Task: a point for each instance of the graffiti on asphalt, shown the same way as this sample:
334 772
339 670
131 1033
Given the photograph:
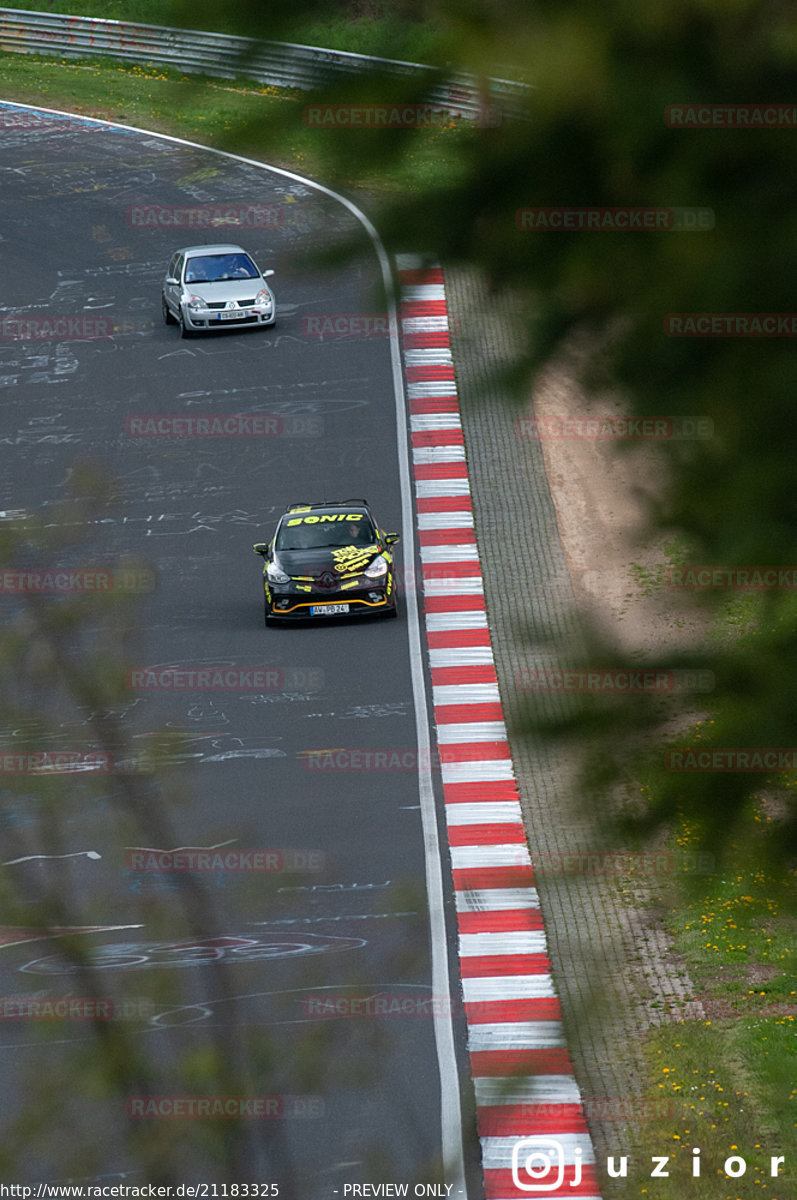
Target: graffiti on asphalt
231 950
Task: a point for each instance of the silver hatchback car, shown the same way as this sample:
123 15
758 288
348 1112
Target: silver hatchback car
215 287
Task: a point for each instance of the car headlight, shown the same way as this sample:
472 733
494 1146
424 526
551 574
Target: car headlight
275 573
263 297
196 302
377 569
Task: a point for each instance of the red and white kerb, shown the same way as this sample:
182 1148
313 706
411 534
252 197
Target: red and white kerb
523 1077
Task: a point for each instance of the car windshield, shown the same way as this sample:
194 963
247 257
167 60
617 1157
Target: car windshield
324 531
213 268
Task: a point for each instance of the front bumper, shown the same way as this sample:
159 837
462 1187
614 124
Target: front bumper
287 604
207 318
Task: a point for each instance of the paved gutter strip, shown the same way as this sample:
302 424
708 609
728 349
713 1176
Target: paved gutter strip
613 966
523 1077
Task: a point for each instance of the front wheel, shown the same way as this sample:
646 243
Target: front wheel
168 319
185 332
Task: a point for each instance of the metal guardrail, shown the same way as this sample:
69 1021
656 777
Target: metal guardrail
280 64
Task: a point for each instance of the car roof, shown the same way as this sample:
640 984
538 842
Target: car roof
356 504
221 248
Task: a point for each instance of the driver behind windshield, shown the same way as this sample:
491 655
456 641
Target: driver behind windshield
323 534
214 268
357 533
196 272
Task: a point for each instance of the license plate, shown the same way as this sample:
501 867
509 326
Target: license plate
235 314
320 610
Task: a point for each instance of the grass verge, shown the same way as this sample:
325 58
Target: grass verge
721 1098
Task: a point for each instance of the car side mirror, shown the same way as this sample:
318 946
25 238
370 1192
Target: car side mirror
266 274
390 538
261 548
171 279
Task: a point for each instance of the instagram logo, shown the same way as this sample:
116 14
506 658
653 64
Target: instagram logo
533 1161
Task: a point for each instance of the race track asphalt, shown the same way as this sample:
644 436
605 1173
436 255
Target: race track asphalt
191 507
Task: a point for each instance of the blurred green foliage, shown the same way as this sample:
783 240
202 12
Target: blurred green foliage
596 133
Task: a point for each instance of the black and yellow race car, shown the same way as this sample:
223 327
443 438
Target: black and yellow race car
328 559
